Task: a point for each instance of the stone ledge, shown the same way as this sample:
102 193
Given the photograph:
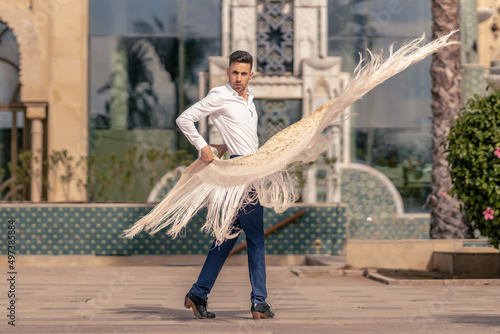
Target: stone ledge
410 254
469 263
375 275
324 271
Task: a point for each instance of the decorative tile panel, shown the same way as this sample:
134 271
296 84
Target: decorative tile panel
275 36
58 230
366 195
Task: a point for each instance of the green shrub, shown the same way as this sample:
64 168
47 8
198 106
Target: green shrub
474 158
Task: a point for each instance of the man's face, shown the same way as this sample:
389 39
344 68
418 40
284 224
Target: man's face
239 74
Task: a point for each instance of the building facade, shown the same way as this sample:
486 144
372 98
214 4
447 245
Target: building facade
107 78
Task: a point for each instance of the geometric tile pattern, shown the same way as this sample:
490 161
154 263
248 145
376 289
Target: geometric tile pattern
87 229
322 230
473 81
372 210
274 118
468 31
366 195
476 243
473 73
389 228
275 30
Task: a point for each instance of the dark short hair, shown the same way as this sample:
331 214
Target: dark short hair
241 57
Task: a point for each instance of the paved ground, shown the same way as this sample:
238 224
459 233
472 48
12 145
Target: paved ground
150 300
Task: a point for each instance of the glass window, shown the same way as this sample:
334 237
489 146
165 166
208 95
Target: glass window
392 126
398 18
347 17
131 86
155 17
145 56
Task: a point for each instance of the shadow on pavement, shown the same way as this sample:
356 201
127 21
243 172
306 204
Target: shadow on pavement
477 320
165 313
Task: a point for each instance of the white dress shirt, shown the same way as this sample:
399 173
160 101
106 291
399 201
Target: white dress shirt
234 117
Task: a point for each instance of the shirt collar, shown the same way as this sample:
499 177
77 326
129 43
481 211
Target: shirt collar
235 93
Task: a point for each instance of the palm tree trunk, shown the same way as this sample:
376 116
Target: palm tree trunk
447 221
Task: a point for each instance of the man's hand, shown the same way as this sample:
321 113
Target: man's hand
207 154
221 149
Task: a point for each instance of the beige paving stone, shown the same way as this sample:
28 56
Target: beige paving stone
150 300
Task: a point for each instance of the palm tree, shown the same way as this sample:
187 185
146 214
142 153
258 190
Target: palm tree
141 97
447 220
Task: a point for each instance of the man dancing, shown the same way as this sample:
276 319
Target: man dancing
233 112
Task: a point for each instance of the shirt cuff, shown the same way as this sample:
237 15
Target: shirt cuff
200 143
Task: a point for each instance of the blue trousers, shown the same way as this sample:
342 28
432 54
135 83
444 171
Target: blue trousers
251 220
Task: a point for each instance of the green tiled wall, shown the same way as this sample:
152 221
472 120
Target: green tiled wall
372 210
62 229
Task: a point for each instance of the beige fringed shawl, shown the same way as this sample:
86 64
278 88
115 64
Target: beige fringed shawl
223 186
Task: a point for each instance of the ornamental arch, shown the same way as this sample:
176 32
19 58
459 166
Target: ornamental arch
28 105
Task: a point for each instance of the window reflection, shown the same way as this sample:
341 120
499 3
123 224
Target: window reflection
392 128
145 56
155 17
133 82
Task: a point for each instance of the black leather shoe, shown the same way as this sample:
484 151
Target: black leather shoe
262 310
199 306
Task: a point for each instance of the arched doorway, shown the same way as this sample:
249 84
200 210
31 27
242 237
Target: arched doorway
12 116
16 162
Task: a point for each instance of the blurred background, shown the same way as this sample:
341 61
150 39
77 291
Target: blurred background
90 89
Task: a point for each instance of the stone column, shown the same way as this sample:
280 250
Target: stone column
309 191
310 31
244 27
202 92
332 135
36 113
321 83
226 28
216 77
